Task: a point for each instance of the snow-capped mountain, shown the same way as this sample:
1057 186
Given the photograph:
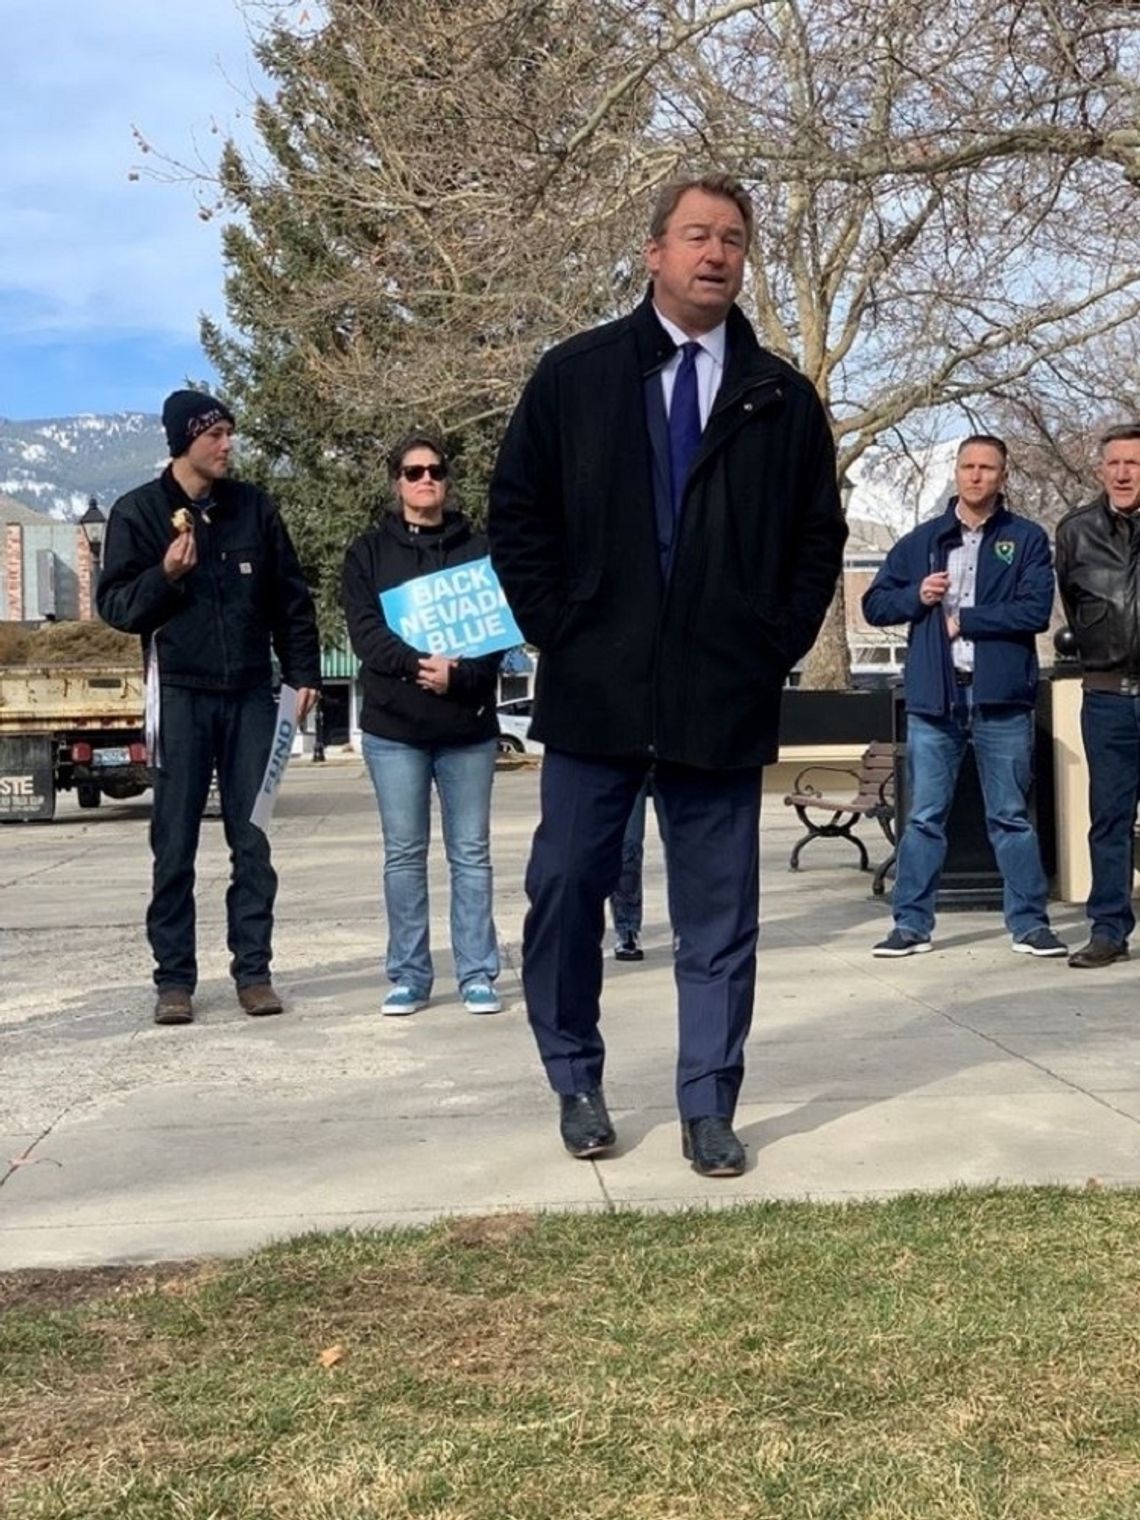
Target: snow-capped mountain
55 464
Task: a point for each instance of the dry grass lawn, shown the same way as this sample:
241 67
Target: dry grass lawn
965 1357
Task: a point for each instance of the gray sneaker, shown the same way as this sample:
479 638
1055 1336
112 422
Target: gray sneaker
900 942
1040 941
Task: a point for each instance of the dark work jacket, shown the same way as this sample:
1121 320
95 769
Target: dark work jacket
1098 572
213 629
1013 598
687 667
394 706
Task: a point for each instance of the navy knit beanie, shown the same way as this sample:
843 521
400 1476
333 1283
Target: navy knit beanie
186 414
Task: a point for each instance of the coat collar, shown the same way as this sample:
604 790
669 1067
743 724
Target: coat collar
950 523
744 358
1118 522
219 494
455 529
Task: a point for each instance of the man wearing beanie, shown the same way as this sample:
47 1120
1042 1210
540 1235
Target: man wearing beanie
202 568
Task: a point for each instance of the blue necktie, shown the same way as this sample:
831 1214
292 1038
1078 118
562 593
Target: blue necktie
684 427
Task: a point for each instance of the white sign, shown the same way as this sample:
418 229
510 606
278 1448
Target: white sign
280 750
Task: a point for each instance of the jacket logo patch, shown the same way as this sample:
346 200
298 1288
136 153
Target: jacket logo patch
247 569
1004 549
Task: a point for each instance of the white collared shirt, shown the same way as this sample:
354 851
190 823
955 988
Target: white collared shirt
710 365
962 566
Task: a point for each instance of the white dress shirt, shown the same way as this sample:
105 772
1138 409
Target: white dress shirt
962 566
710 365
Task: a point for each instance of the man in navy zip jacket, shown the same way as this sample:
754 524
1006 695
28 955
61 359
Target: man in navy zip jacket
665 521
976 586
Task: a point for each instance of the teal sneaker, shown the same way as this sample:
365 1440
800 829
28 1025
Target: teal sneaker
402 1000
481 997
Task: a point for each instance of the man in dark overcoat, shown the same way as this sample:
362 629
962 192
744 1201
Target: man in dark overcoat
665 519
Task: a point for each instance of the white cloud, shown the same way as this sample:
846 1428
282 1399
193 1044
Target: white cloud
84 250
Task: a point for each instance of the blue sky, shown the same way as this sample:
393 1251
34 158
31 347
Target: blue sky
102 279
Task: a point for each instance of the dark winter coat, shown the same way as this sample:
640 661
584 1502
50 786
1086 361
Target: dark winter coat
1013 601
394 706
1098 572
216 626
688 669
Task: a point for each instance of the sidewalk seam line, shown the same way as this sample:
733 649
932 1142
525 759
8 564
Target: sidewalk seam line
15 1162
1047 1071
611 1206
1039 1066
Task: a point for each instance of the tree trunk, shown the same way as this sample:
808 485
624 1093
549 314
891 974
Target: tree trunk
828 665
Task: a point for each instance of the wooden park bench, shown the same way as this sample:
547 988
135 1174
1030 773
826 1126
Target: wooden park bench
874 797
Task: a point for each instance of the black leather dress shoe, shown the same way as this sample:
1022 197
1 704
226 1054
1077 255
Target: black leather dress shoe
712 1147
585 1124
1099 952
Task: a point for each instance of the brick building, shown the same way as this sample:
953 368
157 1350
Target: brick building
46 570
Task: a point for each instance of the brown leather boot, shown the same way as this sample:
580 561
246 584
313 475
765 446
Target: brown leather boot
259 1000
174 1006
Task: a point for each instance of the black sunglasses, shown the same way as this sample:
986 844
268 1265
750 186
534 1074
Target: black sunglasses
418 471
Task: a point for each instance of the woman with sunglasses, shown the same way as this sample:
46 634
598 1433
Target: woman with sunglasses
426 719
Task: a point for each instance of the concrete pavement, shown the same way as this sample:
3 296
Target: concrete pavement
120 1141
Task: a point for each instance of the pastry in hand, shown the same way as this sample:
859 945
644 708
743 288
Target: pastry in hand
183 520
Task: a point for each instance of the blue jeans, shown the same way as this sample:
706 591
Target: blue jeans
1110 727
1002 739
402 775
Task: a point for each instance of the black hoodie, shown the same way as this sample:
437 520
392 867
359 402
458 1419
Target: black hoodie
394 706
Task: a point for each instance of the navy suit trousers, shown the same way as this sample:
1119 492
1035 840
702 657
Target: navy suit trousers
710 828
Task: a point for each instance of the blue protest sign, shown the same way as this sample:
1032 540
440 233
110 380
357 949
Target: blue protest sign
456 612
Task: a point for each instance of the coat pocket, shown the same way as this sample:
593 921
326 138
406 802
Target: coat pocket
579 593
1091 613
769 621
241 570
584 587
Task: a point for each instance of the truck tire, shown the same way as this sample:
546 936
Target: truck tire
88 794
122 791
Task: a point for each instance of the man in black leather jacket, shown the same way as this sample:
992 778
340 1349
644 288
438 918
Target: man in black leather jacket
1098 571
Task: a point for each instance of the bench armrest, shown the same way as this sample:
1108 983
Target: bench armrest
801 788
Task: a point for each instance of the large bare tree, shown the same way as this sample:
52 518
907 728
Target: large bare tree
941 188
442 188
946 196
